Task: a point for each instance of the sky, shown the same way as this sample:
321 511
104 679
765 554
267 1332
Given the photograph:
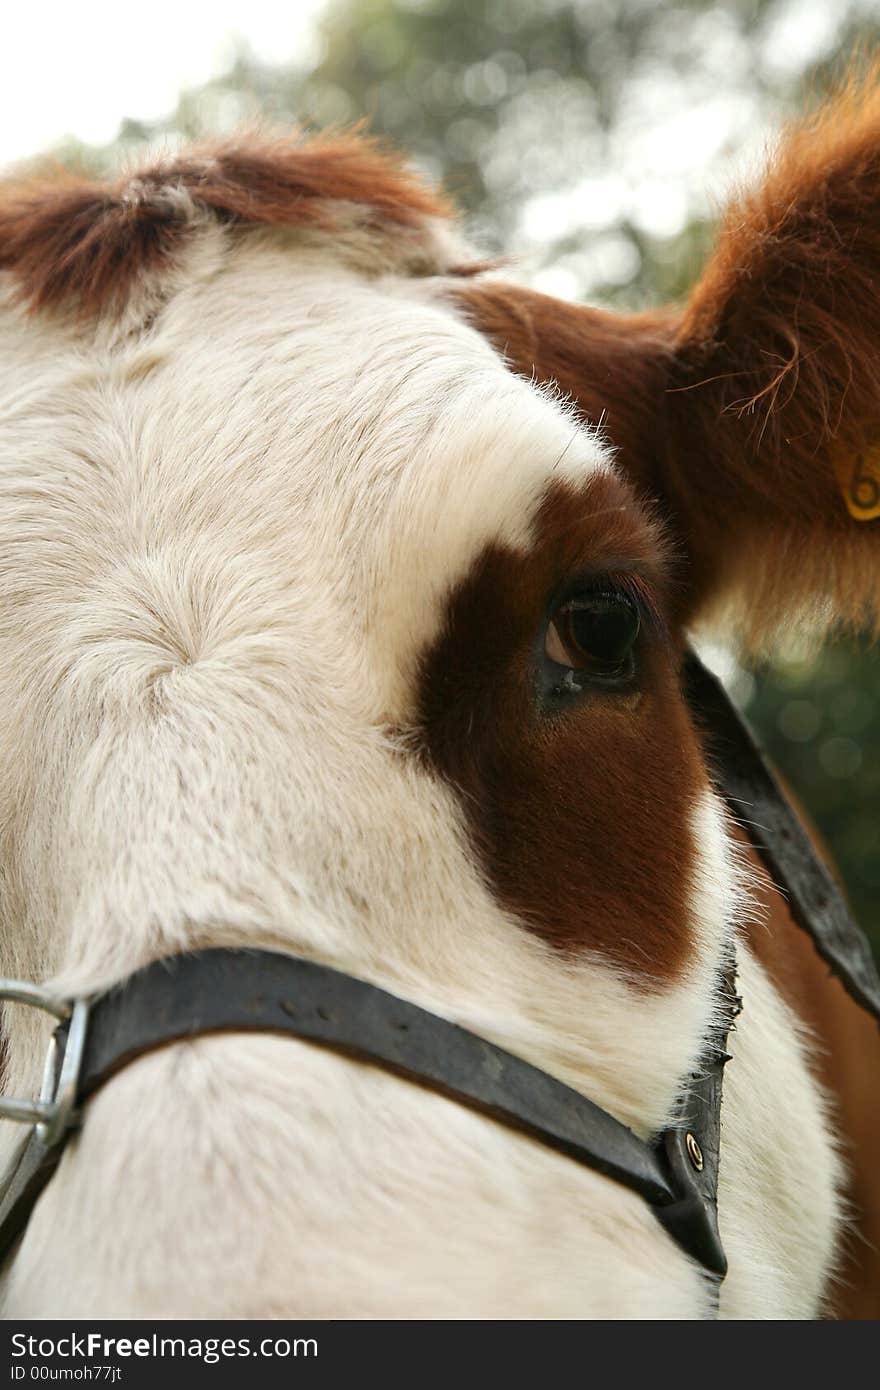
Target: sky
79 67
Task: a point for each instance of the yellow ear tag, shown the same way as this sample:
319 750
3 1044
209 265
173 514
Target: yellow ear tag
859 477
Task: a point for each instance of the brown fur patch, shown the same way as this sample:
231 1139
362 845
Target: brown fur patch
580 816
71 240
615 368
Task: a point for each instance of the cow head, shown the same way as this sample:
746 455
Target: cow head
344 592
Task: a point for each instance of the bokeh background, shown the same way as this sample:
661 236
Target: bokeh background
590 140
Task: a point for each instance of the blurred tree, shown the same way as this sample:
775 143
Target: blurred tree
589 137
819 720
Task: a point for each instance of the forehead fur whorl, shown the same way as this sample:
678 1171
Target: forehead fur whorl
76 243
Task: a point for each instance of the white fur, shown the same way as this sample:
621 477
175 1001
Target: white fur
224 544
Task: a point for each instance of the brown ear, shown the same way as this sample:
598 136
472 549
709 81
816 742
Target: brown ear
753 416
772 458
71 242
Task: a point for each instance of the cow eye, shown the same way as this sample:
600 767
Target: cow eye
593 634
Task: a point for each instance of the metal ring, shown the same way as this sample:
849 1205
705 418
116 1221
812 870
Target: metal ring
694 1152
62 1103
52 1111
23 992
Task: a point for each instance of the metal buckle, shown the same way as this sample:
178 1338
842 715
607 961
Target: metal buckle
52 1112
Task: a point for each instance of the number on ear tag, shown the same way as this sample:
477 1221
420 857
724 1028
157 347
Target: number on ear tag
858 473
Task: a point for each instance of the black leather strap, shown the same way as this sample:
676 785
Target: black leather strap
699 1119
36 1165
240 991
759 804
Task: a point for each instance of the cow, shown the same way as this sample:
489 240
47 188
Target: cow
345 590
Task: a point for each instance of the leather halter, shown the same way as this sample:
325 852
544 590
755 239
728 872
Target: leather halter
217 991
760 806
214 991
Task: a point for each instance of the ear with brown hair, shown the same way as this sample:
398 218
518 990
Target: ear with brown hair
772 439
